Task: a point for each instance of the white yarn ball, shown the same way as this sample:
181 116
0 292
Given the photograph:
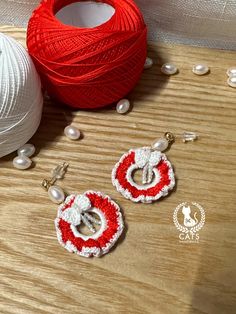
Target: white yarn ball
21 97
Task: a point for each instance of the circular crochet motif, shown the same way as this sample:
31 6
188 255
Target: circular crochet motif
96 212
158 175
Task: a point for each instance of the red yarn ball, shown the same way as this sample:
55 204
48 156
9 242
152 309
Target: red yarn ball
88 67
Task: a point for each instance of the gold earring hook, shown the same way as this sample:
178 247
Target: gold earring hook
170 137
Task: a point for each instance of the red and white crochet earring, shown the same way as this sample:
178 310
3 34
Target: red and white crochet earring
158 177
87 224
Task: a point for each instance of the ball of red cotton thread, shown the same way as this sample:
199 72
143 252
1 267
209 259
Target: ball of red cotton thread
88 67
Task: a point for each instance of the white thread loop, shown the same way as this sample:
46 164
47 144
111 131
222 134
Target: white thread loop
147 159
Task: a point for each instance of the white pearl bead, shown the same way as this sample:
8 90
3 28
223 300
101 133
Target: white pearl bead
169 69
231 72
123 106
200 69
26 150
56 194
160 145
22 162
232 81
72 132
148 63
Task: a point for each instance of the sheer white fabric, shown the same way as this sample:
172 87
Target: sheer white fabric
197 22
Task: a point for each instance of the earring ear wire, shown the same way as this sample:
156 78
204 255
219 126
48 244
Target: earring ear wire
58 173
189 137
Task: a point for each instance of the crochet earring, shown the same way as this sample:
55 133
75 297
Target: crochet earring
158 177
87 224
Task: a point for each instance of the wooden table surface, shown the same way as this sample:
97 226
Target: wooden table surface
149 271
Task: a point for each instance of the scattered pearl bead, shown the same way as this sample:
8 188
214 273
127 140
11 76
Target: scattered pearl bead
26 150
231 72
169 69
72 132
232 81
200 69
123 106
56 194
160 145
148 63
22 162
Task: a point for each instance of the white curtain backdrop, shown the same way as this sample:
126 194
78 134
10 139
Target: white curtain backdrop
209 23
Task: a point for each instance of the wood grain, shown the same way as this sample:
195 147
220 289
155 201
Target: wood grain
149 271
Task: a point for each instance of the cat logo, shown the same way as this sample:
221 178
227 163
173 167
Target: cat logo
189 220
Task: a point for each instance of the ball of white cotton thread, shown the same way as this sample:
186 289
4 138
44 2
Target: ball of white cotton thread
20 96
